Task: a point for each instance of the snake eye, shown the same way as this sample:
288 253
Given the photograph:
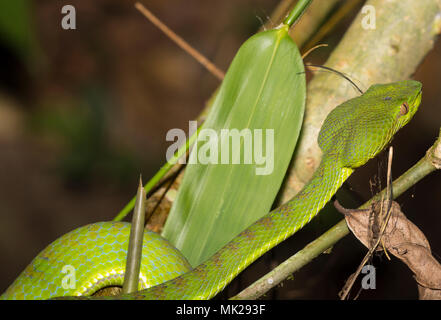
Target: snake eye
404 109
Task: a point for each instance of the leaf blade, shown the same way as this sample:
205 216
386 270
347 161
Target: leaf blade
211 206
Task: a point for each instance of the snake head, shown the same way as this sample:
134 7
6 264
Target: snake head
358 129
401 98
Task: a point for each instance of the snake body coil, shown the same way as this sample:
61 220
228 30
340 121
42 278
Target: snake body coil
353 133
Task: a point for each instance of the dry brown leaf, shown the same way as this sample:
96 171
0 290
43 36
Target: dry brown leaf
401 238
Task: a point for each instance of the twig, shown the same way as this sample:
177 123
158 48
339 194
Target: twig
312 49
344 293
207 64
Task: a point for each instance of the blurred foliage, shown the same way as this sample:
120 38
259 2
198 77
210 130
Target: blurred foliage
16 26
81 126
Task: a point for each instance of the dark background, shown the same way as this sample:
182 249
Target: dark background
84 112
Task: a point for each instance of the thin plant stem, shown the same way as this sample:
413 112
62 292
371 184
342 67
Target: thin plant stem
159 175
181 42
134 252
297 12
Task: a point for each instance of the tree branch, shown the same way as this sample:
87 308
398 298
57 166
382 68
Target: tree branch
390 52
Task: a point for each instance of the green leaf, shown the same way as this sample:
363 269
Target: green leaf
265 89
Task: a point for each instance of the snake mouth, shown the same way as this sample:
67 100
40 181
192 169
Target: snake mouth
417 98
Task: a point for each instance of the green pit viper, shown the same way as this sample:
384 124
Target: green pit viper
352 133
